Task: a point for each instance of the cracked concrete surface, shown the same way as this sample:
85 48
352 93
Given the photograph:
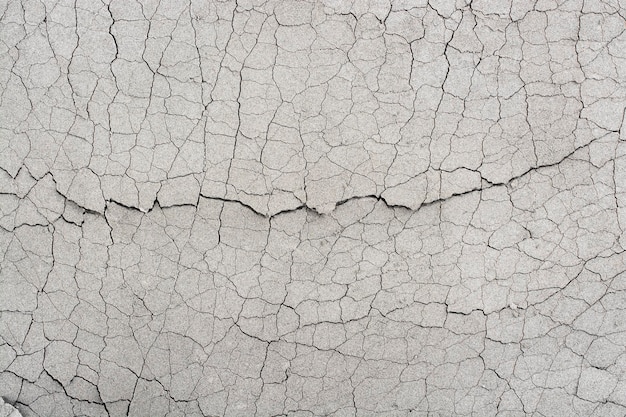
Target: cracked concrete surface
324 208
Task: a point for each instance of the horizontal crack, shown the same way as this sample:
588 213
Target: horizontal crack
487 185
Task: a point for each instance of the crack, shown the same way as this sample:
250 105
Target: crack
340 203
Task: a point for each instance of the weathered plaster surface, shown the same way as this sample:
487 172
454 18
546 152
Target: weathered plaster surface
326 208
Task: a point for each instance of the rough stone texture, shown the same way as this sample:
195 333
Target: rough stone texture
329 208
6 410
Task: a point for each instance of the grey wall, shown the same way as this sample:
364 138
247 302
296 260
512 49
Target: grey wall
313 208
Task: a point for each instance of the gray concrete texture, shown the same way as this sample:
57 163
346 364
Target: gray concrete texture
323 208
